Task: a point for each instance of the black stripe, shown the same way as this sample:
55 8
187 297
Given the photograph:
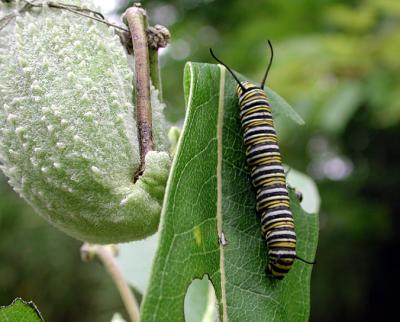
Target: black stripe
244 114
265 220
249 117
261 196
266 147
259 175
270 273
267 226
249 88
279 270
241 94
263 203
277 238
248 135
255 102
271 186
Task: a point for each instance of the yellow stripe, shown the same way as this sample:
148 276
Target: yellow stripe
264 160
282 244
254 109
282 203
273 181
257 122
279 225
288 265
262 139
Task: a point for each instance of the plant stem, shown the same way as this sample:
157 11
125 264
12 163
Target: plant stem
136 19
158 36
105 254
155 71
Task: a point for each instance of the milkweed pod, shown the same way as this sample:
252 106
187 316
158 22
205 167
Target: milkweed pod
68 134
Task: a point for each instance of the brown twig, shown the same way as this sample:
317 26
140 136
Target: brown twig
136 19
106 255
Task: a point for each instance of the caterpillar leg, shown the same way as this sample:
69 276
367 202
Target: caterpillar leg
299 194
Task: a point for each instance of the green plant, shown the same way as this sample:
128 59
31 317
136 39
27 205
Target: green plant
208 199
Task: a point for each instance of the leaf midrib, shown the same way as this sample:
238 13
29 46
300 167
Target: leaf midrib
220 124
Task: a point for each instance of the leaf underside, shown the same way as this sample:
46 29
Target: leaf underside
209 193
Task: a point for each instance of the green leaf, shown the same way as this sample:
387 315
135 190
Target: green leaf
209 193
282 108
341 106
19 311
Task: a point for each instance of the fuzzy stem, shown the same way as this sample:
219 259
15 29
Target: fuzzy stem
136 19
105 255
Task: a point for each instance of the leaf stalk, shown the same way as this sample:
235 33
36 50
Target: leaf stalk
106 254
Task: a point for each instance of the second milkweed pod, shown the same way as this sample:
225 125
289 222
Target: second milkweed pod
264 159
68 136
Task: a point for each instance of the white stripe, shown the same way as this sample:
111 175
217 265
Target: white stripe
261 114
259 135
264 154
249 136
249 112
282 252
259 128
282 232
273 221
262 147
267 168
266 176
278 212
267 190
282 240
272 198
246 119
255 135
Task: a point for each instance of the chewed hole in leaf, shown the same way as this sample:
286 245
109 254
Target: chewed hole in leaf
200 301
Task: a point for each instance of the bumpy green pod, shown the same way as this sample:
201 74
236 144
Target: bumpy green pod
68 136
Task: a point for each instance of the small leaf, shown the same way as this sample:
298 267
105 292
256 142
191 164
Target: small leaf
208 194
19 311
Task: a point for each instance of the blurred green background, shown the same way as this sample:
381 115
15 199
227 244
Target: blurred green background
337 63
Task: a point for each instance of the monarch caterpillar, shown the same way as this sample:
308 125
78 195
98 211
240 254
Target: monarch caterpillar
267 174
